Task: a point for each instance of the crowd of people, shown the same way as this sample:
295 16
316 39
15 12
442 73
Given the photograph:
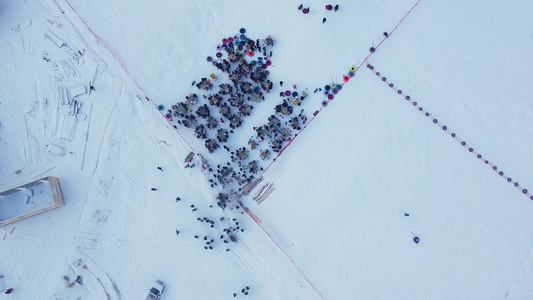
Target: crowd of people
223 110
233 100
226 105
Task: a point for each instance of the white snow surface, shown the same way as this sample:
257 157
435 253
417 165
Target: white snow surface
334 226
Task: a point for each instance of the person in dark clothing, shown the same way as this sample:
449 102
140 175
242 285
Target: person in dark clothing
154 189
385 34
9 291
323 20
160 169
281 83
300 7
336 7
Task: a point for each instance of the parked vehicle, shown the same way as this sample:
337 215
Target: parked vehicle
155 291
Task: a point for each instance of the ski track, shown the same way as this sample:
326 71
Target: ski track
127 152
493 39
98 242
326 175
348 274
113 16
87 263
522 148
35 265
130 156
184 35
370 134
360 241
389 248
384 247
128 228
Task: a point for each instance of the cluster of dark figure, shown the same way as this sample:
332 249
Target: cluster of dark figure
243 174
306 10
248 83
234 101
276 134
229 233
244 291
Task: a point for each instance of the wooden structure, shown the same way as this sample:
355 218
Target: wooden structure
22 210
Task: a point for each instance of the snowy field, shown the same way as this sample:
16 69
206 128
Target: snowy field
335 214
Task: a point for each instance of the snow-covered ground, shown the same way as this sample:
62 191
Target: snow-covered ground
334 223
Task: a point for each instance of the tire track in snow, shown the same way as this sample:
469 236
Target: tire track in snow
84 264
113 15
369 130
348 274
121 61
524 149
165 10
28 247
128 156
99 241
128 225
246 265
360 241
389 251
493 39
93 240
136 134
326 175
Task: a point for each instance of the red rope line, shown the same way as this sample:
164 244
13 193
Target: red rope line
192 149
117 56
119 59
327 100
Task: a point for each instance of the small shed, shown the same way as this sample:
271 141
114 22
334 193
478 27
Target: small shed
30 199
